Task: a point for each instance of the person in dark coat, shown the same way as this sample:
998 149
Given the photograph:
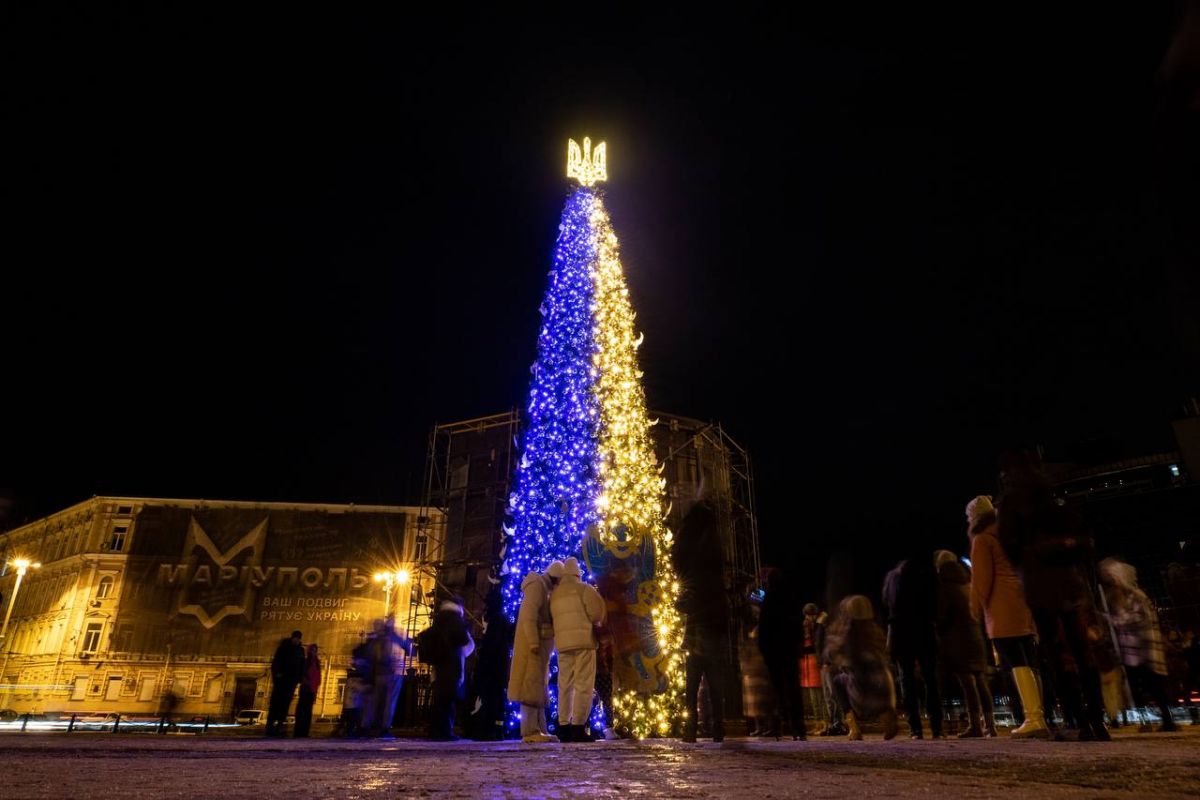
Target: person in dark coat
910 593
699 565
491 670
960 644
779 629
445 645
310 684
287 670
359 688
1046 542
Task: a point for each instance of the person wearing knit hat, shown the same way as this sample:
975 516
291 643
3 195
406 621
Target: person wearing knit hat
997 595
576 608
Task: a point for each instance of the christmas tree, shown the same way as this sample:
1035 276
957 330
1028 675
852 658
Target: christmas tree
588 484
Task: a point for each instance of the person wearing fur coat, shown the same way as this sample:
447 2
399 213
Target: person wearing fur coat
532 643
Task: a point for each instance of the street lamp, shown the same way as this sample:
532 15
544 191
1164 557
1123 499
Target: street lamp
390 580
22 565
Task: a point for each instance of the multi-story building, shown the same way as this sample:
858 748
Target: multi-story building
137 597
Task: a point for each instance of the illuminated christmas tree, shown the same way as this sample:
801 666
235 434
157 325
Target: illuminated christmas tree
588 484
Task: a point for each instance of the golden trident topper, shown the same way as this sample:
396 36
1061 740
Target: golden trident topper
586 166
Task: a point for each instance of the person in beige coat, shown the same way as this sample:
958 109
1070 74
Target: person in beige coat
532 643
996 592
576 608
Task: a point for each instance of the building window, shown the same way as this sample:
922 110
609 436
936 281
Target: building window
422 548
105 588
79 688
91 637
117 542
124 509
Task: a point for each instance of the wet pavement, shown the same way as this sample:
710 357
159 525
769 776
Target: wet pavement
230 768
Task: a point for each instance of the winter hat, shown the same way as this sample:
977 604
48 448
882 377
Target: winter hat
943 557
571 567
978 507
858 607
555 570
810 609
1119 573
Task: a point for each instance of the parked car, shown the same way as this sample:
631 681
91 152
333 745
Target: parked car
251 716
8 715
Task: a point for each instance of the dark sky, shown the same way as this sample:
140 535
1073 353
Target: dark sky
259 256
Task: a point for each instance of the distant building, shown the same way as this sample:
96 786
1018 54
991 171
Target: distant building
139 596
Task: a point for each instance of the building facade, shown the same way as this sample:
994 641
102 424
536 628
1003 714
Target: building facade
136 599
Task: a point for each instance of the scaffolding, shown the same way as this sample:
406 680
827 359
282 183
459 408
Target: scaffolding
702 456
469 468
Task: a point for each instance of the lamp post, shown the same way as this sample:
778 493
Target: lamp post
390 580
22 565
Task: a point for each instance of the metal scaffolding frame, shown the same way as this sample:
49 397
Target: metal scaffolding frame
449 488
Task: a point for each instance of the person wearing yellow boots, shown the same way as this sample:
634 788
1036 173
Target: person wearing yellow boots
856 653
996 593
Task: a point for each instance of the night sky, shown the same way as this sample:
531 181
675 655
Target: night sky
258 257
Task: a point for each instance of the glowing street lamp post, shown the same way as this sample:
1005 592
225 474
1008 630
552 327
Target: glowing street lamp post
22 565
390 580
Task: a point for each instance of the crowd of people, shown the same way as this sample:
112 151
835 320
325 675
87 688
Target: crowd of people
1029 601
1027 605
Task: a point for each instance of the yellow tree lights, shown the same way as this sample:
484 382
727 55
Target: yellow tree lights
631 487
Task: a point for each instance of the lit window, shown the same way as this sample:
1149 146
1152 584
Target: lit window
1174 470
422 547
105 588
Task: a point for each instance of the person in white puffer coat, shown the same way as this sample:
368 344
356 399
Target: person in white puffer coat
576 608
532 644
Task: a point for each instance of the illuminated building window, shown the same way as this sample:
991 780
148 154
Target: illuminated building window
1174 470
116 543
91 637
422 548
105 588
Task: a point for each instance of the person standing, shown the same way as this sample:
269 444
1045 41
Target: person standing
445 645
1139 635
576 608
532 644
310 684
857 657
698 562
996 593
287 670
779 632
960 641
1047 543
910 594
